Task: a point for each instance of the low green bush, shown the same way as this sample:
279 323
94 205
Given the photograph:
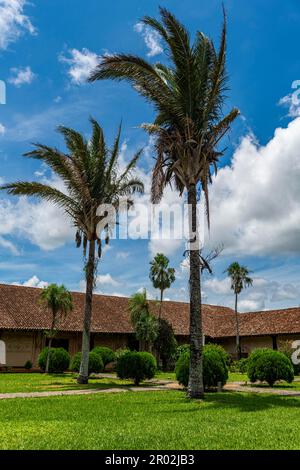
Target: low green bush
267 365
28 365
181 350
215 366
106 354
239 366
95 363
136 365
59 360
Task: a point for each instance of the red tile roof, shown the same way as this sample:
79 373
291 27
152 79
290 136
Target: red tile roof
20 310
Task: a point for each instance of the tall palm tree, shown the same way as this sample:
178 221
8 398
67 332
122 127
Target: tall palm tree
161 275
58 300
92 178
240 279
187 92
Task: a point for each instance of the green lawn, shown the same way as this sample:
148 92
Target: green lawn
151 420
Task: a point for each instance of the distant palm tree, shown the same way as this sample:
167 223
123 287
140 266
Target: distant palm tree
92 178
58 300
161 275
187 93
240 279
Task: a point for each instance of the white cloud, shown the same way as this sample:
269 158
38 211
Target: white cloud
34 281
21 76
250 305
255 202
13 21
151 38
106 279
218 286
81 63
2 129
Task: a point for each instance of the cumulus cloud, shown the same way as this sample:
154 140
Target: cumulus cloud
21 76
255 202
81 64
13 21
151 38
107 279
34 281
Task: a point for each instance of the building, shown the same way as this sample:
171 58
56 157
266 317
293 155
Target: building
23 321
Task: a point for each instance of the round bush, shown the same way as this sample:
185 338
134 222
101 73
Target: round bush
59 360
95 363
106 354
215 367
136 365
267 365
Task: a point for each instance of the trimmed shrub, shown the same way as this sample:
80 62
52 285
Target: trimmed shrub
95 363
120 352
106 354
267 365
28 365
215 368
239 366
137 366
59 360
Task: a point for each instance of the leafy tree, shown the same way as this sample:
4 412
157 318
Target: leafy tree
240 279
91 177
165 343
58 300
187 92
161 275
145 324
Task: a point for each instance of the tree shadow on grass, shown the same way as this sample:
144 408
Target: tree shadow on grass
250 402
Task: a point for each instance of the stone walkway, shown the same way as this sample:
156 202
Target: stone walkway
157 386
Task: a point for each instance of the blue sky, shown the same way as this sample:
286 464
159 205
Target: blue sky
47 49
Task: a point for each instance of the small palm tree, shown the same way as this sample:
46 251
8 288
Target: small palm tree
161 275
145 324
58 300
240 279
92 178
187 92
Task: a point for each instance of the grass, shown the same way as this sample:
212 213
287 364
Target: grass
151 420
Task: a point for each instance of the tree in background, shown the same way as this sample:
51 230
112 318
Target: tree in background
240 279
161 275
165 343
187 91
144 323
58 300
91 178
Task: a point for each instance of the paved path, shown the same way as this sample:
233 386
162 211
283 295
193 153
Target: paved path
157 386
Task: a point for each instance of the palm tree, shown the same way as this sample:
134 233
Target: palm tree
187 93
92 178
58 300
145 324
161 275
240 279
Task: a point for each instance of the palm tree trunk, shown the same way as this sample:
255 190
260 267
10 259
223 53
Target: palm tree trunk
48 356
195 385
160 304
238 344
90 271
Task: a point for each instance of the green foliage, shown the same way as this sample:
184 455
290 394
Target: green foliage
59 360
183 348
145 324
215 368
95 363
269 366
239 276
137 366
239 366
28 365
106 354
120 352
165 343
